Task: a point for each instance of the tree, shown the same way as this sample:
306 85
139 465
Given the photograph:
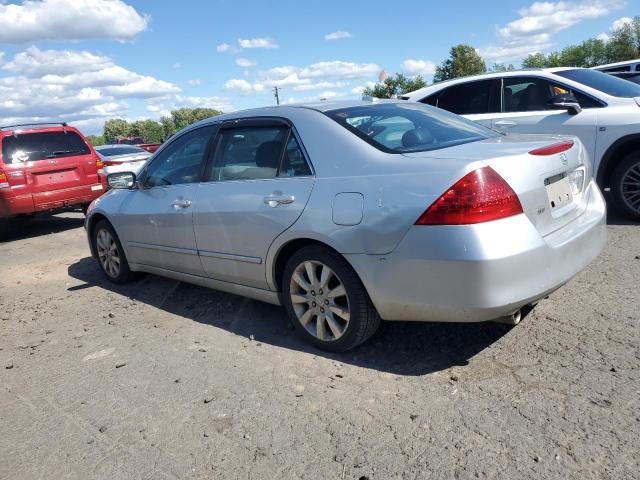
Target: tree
624 43
501 67
395 85
150 130
116 127
463 60
96 140
184 117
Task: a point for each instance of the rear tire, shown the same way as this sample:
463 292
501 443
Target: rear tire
625 186
4 229
110 254
326 301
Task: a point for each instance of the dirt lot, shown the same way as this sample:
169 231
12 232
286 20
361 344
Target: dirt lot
161 379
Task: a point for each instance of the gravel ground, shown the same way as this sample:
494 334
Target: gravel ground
163 380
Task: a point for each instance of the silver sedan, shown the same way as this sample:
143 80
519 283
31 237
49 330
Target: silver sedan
349 213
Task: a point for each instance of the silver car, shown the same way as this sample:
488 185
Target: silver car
349 213
122 158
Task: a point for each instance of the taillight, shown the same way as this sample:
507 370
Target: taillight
4 183
480 196
99 166
553 149
111 163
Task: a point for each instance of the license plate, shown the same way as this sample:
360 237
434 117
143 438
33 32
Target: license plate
559 193
95 188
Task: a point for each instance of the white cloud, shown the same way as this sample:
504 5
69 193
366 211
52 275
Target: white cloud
34 20
425 68
223 47
264 42
218 103
195 82
69 85
245 62
533 32
360 88
621 22
337 35
321 75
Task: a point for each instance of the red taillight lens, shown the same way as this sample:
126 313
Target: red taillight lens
480 196
553 149
4 183
111 163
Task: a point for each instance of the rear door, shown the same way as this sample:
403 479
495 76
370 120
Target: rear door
42 163
257 186
477 100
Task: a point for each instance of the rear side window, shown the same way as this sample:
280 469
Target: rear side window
28 147
616 87
409 127
466 98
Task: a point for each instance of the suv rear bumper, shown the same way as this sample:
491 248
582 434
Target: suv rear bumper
54 200
480 272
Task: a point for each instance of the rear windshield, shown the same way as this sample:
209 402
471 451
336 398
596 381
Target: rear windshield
108 152
609 84
408 127
28 147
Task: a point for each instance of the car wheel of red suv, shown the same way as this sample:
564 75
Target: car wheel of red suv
110 254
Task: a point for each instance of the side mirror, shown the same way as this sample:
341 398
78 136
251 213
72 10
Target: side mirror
121 180
565 101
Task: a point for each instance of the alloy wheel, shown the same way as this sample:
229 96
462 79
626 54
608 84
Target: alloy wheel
320 300
108 254
630 187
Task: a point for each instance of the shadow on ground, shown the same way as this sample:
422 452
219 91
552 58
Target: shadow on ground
30 227
403 348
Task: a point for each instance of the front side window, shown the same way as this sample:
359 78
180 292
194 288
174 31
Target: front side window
181 160
408 127
530 94
29 147
260 152
466 98
616 87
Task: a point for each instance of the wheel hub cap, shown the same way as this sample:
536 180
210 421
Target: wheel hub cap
108 254
631 187
320 300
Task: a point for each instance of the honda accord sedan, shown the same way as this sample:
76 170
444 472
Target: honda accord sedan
347 213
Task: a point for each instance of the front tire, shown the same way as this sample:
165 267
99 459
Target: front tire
326 301
110 254
625 186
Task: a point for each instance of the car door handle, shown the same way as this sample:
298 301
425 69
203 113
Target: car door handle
181 204
505 123
275 200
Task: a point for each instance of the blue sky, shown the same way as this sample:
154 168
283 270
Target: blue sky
89 60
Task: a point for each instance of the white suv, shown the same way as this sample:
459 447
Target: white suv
602 110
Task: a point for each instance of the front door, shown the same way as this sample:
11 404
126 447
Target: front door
157 218
257 187
524 111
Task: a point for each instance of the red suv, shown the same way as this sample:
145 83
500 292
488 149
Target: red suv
46 168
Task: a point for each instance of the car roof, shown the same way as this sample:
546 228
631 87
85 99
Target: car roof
118 145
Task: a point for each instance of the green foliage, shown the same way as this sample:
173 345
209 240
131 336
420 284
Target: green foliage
501 67
463 60
96 140
395 85
152 131
624 44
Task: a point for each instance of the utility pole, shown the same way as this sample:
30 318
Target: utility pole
275 94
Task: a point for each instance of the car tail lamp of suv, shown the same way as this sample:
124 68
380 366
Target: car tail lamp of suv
480 196
4 182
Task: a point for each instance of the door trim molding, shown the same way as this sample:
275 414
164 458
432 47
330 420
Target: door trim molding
230 256
162 248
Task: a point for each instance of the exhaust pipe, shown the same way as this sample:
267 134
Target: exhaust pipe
513 319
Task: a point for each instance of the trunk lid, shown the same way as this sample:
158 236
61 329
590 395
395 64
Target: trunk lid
550 187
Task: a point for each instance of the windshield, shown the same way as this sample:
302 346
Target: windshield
616 87
111 151
408 127
27 147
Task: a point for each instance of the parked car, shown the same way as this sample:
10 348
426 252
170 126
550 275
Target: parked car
45 169
601 110
618 67
122 158
346 213
137 141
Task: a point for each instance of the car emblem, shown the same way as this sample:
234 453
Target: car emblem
565 160
53 162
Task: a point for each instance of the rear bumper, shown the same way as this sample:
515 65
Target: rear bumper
54 200
479 272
